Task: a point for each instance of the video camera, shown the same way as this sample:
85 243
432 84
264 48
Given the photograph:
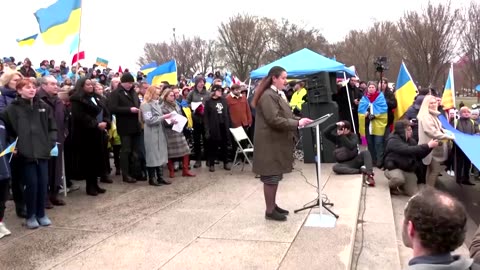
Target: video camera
381 63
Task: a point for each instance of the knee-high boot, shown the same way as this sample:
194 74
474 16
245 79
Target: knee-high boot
171 170
186 162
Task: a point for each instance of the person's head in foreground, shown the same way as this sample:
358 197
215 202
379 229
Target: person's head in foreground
434 226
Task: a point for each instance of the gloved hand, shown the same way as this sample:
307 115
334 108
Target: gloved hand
371 117
200 110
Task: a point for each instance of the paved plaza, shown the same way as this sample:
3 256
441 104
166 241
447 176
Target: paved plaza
213 221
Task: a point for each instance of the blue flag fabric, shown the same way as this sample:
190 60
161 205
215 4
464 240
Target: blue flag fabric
54 152
466 142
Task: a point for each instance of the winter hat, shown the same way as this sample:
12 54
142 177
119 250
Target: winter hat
127 78
198 79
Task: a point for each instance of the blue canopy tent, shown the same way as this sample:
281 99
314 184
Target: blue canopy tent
303 63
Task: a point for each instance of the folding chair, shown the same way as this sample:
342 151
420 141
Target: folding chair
239 135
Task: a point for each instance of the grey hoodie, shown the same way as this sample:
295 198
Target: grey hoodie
441 262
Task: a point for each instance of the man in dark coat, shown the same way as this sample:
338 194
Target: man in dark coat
124 104
344 108
48 94
402 154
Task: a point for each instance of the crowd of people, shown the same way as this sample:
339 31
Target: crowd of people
95 115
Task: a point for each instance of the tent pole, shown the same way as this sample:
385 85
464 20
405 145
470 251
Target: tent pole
249 84
349 103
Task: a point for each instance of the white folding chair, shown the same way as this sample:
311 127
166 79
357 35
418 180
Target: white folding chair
239 135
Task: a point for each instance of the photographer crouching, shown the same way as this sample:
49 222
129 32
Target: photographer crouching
349 159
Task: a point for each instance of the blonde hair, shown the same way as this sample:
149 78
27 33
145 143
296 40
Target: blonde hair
8 76
150 93
424 108
464 109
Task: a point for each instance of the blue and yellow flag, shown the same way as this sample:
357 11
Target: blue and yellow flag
9 149
448 93
145 69
405 93
165 72
28 41
59 20
379 109
74 46
102 62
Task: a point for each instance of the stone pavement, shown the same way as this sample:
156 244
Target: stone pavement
213 221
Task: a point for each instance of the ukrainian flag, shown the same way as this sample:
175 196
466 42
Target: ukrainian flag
59 20
9 149
145 69
28 41
448 93
101 62
405 93
379 109
165 72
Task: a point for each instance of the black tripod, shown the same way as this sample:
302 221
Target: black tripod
317 200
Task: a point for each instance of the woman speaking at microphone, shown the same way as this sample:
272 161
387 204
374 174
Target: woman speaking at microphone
275 129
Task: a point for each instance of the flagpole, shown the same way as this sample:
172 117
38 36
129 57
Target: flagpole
79 39
452 82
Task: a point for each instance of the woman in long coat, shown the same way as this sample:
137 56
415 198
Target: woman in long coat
154 136
430 128
177 144
91 119
275 129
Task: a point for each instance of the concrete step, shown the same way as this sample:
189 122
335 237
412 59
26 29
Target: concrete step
376 241
318 248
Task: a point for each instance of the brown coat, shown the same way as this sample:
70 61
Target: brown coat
240 112
429 127
275 127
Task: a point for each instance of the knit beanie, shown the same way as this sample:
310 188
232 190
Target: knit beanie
127 78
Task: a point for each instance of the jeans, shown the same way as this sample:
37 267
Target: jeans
376 147
198 138
17 183
353 166
129 162
35 175
3 196
405 180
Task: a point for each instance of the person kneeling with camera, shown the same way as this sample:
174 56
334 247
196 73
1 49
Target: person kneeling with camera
402 156
349 159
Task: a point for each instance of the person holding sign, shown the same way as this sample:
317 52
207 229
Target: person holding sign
274 140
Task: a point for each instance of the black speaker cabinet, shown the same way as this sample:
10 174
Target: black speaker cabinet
320 87
314 111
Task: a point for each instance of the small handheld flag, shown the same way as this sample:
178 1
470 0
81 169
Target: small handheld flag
54 152
9 149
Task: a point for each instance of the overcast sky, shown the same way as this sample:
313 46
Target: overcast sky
117 30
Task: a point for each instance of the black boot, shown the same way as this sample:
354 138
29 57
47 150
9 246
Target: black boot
90 188
160 179
98 188
151 177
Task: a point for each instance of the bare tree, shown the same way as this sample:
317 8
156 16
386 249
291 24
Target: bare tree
356 50
184 55
204 54
244 40
287 37
471 44
158 52
428 40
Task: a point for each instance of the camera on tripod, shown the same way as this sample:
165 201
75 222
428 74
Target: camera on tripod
381 63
